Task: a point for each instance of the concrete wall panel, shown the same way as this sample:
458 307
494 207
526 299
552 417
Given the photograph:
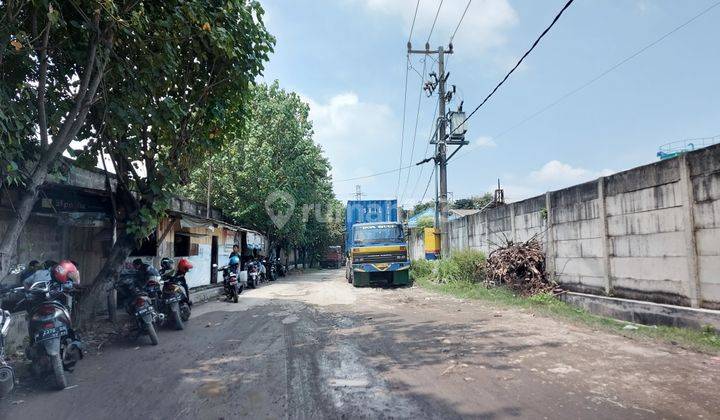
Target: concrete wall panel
584 229
651 269
660 197
655 221
707 214
591 267
668 244
708 241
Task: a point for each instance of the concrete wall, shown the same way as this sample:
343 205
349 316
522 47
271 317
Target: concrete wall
650 233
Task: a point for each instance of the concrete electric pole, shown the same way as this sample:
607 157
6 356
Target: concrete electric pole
441 203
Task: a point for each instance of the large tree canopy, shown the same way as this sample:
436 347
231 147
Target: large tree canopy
269 165
177 82
53 57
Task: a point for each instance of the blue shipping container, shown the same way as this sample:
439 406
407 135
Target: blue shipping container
368 211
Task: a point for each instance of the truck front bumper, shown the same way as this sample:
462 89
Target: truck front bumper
391 274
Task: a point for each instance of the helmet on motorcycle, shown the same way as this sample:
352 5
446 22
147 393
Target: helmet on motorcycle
65 270
166 263
184 266
234 260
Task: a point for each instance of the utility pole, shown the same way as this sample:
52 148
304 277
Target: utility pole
440 79
358 193
209 183
442 154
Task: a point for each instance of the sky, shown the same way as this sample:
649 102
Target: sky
346 58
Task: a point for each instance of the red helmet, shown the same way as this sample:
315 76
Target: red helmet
183 266
65 270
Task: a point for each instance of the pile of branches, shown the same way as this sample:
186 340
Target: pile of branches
520 266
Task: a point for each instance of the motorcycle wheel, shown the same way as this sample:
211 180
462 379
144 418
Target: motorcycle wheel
240 289
235 296
177 319
184 311
58 372
150 328
251 284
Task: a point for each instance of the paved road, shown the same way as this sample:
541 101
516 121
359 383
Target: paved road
312 346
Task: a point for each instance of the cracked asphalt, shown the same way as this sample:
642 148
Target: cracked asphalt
312 346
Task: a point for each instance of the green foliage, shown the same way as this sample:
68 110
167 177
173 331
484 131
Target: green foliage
543 298
544 213
44 48
423 206
179 82
425 222
267 151
421 269
462 267
474 202
471 265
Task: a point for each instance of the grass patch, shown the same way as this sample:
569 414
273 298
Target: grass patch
546 304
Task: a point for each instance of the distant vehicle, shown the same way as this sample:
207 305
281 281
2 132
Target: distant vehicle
376 244
333 257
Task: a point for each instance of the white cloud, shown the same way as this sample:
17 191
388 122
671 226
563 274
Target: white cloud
482 141
553 175
352 131
484 24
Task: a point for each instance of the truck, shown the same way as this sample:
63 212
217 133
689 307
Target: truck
376 244
332 257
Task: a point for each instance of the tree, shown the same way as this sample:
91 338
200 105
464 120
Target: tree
423 206
171 94
269 167
426 222
474 202
53 58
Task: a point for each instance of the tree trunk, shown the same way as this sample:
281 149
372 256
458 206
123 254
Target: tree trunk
8 245
94 295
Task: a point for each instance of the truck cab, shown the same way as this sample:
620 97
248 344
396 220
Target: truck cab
378 255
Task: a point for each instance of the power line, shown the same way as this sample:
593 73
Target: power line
601 75
428 184
461 19
535 44
537 41
434 21
402 135
390 171
417 5
427 146
417 121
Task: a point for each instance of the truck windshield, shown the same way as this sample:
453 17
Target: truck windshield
373 234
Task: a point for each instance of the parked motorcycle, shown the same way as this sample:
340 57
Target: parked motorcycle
270 269
253 274
232 285
169 300
280 268
54 346
174 304
139 305
263 271
7 375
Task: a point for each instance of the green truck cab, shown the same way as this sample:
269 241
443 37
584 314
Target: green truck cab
378 255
